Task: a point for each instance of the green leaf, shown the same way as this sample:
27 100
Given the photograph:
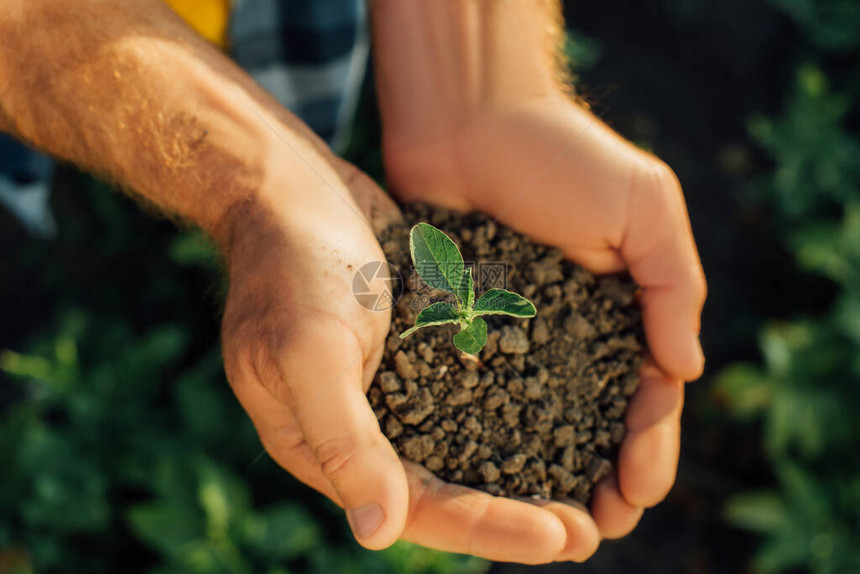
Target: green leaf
745 389
436 314
193 249
503 302
222 495
166 527
466 292
761 512
281 531
436 258
473 338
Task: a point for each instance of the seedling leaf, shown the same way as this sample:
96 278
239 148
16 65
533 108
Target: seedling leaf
436 314
436 258
466 291
503 302
473 338
440 265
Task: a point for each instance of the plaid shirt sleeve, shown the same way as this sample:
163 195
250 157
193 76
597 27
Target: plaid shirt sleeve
310 54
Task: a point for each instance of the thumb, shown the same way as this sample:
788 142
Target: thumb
325 394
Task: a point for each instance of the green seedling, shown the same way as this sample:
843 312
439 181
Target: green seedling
440 264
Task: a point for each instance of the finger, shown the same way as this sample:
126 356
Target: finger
276 425
454 518
288 448
583 536
599 260
323 372
661 255
648 458
615 517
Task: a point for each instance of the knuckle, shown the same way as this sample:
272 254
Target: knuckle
283 443
664 176
700 288
669 187
334 455
656 183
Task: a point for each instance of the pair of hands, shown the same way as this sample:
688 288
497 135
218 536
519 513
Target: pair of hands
300 352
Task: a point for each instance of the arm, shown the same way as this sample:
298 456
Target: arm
128 91
457 78
476 116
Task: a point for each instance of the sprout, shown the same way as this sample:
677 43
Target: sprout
440 264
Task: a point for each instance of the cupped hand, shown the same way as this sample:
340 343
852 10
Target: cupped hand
552 170
300 352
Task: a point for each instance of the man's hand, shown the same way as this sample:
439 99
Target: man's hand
300 353
131 92
484 125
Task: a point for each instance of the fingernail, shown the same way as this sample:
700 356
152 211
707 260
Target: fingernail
364 520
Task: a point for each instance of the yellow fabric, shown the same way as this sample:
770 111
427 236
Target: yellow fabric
209 18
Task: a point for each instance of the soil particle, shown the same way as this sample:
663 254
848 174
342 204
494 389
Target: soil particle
418 447
414 411
514 341
389 382
540 411
489 472
597 469
564 435
616 432
469 379
393 428
540 331
459 397
434 463
405 367
514 463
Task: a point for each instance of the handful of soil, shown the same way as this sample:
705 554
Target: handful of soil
540 411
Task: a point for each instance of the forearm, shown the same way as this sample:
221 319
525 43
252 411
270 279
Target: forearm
128 91
458 56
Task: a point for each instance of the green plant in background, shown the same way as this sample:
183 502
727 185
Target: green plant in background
438 262
119 455
831 25
805 393
122 448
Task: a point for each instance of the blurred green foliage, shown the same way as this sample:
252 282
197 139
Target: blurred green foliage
582 52
125 450
118 457
830 25
805 393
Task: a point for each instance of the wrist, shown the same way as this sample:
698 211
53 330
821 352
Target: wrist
282 175
194 146
438 67
138 97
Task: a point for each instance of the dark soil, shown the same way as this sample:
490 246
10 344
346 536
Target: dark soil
541 412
